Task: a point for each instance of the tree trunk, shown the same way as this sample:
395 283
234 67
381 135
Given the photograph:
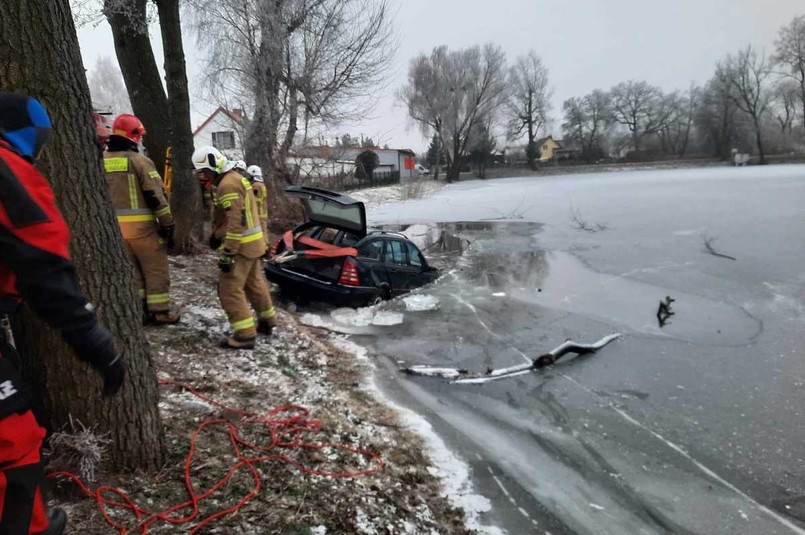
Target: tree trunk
290 134
759 138
73 165
186 197
143 82
531 150
802 96
453 173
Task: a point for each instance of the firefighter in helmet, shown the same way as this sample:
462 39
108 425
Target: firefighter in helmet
35 267
143 214
237 236
261 196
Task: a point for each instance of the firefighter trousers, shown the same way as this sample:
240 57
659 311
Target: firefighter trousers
150 258
245 284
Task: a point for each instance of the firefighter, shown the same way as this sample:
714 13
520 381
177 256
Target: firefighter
35 266
143 214
240 167
237 236
255 175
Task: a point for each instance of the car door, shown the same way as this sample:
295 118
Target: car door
370 263
402 276
421 273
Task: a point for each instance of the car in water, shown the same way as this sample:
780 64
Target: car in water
333 257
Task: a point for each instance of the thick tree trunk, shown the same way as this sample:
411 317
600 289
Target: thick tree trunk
73 165
143 82
186 197
290 135
453 173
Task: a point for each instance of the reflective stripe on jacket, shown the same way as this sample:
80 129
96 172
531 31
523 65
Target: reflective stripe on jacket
237 221
261 197
137 192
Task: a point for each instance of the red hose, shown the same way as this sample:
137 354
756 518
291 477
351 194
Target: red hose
285 424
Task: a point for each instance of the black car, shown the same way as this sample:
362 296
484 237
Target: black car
332 257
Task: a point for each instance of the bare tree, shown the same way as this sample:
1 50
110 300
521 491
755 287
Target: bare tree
790 54
675 133
529 101
292 61
186 202
717 122
166 116
129 22
640 107
107 88
785 103
745 75
449 91
586 121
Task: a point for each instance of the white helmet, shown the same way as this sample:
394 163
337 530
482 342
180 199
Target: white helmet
240 164
255 172
208 157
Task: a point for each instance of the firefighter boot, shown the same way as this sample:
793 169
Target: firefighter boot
58 521
146 314
266 326
164 318
234 342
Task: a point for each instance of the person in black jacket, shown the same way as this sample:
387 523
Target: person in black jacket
36 268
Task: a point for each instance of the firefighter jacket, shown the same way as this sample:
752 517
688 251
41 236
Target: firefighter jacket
236 220
138 194
261 198
35 263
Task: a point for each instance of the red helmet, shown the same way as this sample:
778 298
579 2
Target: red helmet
128 126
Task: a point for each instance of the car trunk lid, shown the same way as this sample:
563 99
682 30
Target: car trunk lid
331 209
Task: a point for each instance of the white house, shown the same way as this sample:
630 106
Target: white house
223 129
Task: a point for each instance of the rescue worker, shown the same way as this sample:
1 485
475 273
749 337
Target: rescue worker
255 175
238 238
240 167
35 266
143 214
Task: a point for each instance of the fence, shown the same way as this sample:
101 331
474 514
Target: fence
348 182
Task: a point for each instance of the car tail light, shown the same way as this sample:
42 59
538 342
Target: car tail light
274 247
349 274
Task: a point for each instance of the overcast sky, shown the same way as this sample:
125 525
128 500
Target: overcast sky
585 44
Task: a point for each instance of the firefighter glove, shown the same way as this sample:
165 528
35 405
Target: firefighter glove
167 233
97 347
215 243
225 262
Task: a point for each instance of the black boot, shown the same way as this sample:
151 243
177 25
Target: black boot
265 326
233 342
58 521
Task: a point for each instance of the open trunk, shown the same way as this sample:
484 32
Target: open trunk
319 247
